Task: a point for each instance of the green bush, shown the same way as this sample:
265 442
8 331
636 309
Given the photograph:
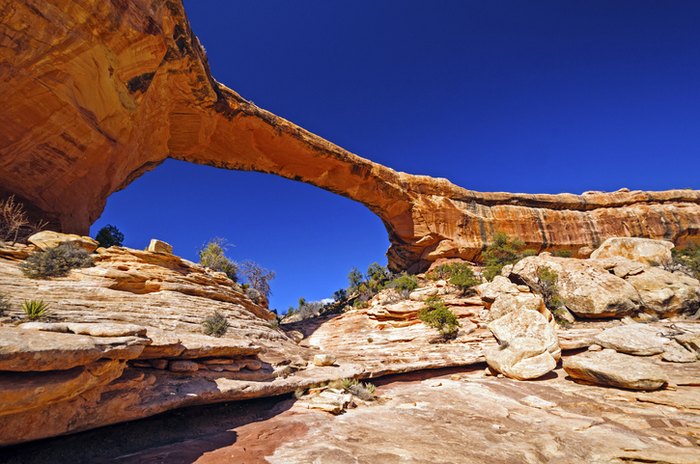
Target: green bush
688 259
501 252
463 278
403 284
438 316
57 261
109 236
213 256
547 281
34 309
4 304
215 325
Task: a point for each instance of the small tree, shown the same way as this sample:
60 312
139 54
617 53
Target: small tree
340 295
438 316
13 218
213 256
258 277
688 259
377 275
502 251
355 279
109 236
463 278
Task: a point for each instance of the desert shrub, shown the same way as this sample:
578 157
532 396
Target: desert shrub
687 259
215 325
364 391
4 304
501 252
57 261
34 309
403 284
438 316
547 282
258 277
213 256
109 236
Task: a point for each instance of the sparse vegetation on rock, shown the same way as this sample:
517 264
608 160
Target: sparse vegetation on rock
547 280
501 252
403 284
34 309
364 391
109 236
56 262
688 259
14 222
215 325
257 277
438 316
213 256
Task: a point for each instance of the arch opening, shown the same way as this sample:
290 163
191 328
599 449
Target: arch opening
310 238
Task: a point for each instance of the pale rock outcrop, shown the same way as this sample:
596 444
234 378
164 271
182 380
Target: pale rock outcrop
613 369
74 133
49 239
635 339
662 292
159 246
324 359
643 250
528 345
586 289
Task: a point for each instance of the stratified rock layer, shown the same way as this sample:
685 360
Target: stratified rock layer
96 93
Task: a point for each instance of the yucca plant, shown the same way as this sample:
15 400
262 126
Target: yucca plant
34 309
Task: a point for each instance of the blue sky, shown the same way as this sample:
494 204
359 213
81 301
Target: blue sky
547 96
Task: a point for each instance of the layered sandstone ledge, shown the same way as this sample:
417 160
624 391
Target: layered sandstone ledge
96 93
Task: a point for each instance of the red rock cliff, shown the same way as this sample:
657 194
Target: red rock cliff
97 92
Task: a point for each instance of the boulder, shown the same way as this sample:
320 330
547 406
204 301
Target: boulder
528 345
666 293
586 289
635 339
662 292
522 359
49 239
643 250
324 360
159 246
500 285
612 369
507 303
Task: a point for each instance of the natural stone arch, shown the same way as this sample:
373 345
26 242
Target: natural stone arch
96 93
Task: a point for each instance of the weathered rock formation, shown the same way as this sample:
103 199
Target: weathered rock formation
96 93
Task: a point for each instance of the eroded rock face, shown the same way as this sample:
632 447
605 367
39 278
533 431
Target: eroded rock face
96 93
645 251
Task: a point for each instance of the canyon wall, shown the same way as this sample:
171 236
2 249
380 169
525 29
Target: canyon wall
96 93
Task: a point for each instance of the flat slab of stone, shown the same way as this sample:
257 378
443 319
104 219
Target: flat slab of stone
613 369
635 339
23 350
94 329
49 239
